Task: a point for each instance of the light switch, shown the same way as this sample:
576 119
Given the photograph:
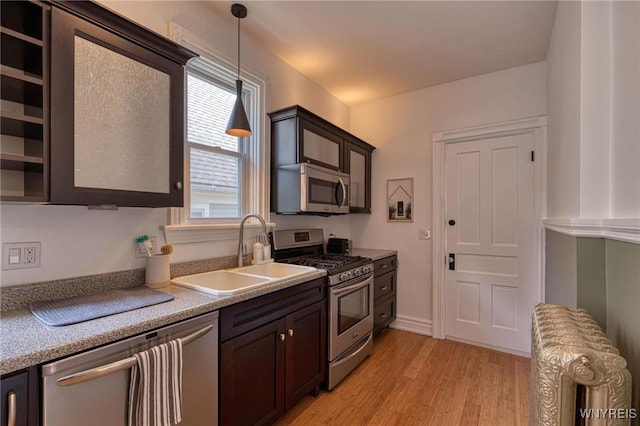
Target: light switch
424 234
14 256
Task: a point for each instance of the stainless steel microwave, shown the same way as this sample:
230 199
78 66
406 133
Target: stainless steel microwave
310 189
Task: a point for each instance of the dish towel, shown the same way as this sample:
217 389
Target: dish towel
155 390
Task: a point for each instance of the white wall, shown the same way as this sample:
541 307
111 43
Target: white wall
563 105
625 124
77 242
401 128
594 111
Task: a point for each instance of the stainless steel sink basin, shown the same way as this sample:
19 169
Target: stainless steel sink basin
233 281
275 270
221 282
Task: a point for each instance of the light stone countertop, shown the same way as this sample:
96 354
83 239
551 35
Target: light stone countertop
25 341
374 254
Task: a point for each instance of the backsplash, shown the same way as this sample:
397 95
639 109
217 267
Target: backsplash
20 296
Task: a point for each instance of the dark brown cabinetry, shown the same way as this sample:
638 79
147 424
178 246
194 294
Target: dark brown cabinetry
273 353
24 113
19 398
385 279
300 136
117 110
96 118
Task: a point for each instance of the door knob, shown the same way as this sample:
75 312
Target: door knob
452 222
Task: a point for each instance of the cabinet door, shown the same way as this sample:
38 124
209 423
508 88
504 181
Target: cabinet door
306 355
116 119
358 165
318 145
14 390
252 376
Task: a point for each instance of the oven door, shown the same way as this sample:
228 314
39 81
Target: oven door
350 314
323 190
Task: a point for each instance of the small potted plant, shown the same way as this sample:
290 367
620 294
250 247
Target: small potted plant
157 271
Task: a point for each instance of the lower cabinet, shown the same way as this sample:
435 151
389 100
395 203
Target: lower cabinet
384 282
267 370
19 398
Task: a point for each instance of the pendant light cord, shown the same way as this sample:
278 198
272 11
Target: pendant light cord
238 48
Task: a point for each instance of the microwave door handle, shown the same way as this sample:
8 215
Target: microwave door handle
344 192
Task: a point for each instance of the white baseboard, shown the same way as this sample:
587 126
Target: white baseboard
494 347
412 324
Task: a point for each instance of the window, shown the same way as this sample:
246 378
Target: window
226 174
216 159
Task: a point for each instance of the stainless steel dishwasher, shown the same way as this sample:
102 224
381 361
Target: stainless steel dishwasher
92 388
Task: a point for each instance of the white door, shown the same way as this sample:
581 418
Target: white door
490 231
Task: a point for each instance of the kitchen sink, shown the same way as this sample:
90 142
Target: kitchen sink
233 281
221 282
275 270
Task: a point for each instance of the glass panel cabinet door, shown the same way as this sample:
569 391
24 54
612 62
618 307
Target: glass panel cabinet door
117 119
357 172
121 121
319 146
358 165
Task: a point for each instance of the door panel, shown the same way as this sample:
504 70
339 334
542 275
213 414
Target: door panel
490 196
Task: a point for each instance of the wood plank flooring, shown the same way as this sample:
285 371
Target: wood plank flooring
416 380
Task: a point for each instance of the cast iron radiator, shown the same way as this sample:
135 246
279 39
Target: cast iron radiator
577 375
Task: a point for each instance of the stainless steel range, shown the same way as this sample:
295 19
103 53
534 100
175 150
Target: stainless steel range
350 292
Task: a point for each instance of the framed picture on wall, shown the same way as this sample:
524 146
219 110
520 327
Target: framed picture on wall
400 200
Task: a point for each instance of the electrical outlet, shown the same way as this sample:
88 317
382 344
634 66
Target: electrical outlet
141 252
21 255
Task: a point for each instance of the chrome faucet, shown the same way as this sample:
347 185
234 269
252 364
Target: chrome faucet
240 242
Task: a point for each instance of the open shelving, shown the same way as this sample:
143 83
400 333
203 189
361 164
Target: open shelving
24 102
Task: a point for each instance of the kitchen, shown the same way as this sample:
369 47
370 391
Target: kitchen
79 242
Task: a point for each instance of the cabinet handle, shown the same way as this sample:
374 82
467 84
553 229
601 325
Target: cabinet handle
384 266
282 337
384 288
291 332
11 417
178 185
383 315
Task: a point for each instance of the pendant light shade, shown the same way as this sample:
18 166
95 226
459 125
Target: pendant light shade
238 122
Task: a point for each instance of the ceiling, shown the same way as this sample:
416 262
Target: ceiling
365 50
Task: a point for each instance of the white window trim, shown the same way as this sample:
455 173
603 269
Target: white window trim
181 230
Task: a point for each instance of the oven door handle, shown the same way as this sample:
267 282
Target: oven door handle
123 364
351 288
360 349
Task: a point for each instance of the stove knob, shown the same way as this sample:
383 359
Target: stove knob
357 272
366 269
344 276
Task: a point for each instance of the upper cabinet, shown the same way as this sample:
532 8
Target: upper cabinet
95 114
300 136
357 162
117 111
24 109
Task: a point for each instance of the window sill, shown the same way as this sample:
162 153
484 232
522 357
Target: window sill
199 233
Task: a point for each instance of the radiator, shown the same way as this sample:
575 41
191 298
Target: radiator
569 349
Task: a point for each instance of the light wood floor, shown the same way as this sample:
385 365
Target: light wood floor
417 380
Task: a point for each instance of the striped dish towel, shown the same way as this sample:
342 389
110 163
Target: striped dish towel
155 390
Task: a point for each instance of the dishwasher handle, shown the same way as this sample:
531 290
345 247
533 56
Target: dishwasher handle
123 364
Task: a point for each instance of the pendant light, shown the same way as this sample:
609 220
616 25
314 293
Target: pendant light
238 122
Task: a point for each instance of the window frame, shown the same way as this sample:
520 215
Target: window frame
203 71
181 229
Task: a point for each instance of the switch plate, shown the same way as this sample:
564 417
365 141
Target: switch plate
141 252
424 234
21 255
